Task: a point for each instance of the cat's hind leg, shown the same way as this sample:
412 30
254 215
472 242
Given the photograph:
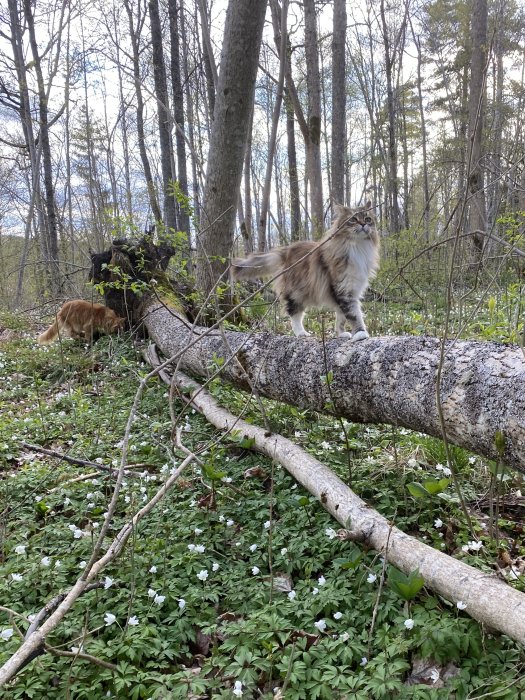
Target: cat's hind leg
296 313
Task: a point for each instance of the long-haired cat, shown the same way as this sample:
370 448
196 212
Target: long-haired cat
333 272
82 319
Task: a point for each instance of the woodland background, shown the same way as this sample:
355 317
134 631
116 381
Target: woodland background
108 116
221 128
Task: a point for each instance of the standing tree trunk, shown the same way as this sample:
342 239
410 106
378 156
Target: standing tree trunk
478 64
295 198
141 137
229 134
313 144
175 10
50 232
164 119
338 102
265 200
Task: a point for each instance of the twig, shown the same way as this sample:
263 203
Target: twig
76 460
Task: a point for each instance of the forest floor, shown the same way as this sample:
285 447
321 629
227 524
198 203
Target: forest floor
238 584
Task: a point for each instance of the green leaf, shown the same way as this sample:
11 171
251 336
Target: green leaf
407 586
434 486
417 490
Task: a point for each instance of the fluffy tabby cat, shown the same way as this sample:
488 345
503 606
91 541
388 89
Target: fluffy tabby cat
333 272
82 319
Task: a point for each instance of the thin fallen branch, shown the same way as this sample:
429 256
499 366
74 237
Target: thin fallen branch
488 599
79 462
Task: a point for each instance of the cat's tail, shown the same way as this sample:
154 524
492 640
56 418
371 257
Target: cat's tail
47 337
256 265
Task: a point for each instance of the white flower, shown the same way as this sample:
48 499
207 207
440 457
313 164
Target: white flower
214 566
476 546
133 620
409 623
412 463
253 547
237 689
371 578
461 605
284 551
226 479
338 615
321 625
315 591
330 533
109 619
191 547
82 564
151 593
17 577
77 533
434 675
321 580
291 595
159 599
6 634
182 603
325 445
202 575
45 561
108 582
67 501
471 460
221 518
255 570
230 522
438 523
364 661
439 467
344 637
153 569
447 471
267 525
58 564
20 549
198 531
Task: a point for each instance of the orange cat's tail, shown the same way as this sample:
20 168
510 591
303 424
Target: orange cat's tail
256 265
47 337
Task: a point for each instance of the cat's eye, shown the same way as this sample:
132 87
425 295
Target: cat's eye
368 220
353 220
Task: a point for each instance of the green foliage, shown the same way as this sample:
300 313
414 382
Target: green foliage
232 577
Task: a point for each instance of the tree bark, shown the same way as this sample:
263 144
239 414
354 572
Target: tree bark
265 199
235 93
164 117
381 380
175 10
313 144
338 102
477 215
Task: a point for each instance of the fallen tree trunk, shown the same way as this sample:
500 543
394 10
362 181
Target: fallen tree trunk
380 380
483 596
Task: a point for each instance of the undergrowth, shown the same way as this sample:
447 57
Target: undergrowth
239 583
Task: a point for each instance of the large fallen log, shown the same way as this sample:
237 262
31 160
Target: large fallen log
380 380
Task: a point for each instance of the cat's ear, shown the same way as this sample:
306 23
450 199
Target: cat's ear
340 209
369 205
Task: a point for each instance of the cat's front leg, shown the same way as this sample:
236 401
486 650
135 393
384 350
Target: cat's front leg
350 310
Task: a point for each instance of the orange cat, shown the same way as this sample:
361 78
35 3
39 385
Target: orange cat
81 319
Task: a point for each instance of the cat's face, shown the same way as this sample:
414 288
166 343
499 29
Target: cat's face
357 223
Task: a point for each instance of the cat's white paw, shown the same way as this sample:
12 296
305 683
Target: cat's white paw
360 335
302 334
345 335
